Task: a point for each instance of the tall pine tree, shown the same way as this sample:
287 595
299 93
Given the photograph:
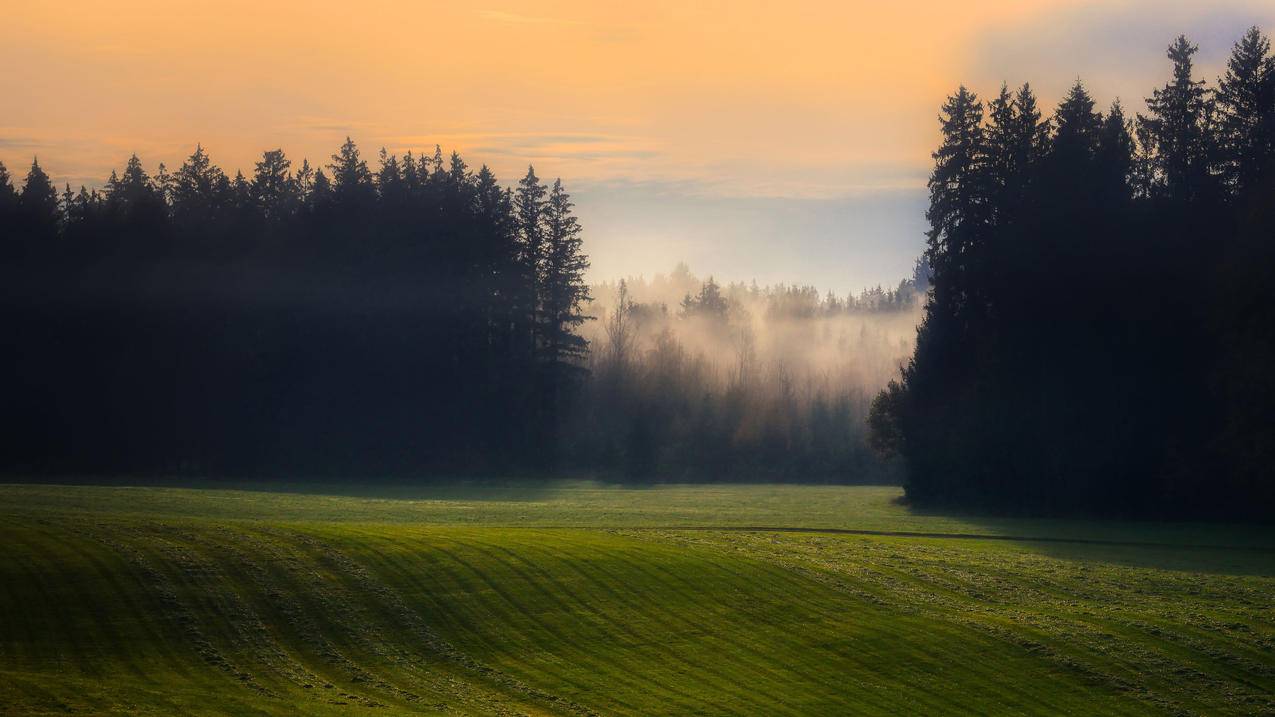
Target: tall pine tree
1246 114
1178 130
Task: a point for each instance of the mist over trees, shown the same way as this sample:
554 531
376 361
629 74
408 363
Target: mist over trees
1100 332
348 319
693 380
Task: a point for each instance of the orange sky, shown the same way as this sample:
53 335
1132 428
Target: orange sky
669 90
790 99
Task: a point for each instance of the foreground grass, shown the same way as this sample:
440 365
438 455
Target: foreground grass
579 598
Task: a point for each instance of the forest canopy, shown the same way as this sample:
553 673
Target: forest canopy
342 320
1100 335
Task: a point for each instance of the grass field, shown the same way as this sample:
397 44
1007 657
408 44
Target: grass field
579 598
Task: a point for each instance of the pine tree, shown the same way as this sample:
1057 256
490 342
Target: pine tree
321 193
1033 135
241 196
390 182
200 192
411 173
1178 130
1015 138
500 269
1077 127
1114 158
435 165
529 209
960 208
274 190
10 227
8 205
1002 165
564 288
709 303
1144 161
1246 113
38 205
305 181
164 184
457 172
353 189
8 195
67 203
81 209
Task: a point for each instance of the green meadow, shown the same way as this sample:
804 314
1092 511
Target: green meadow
586 598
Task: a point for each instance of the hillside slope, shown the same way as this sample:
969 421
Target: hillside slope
148 611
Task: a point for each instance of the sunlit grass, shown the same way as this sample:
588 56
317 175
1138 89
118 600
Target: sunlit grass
561 598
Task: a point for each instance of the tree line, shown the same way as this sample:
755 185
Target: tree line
347 319
1099 334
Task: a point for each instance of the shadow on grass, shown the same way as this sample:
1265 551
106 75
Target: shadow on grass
1203 547
467 489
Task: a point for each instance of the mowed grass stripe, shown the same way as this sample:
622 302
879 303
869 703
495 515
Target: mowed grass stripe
444 595
647 687
945 647
644 604
1020 626
730 637
535 632
644 601
606 630
60 568
1071 634
815 658
1111 592
663 589
803 681
284 612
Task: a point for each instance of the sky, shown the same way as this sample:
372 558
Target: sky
781 142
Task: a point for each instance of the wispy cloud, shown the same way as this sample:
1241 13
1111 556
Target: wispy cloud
583 147
8 141
333 125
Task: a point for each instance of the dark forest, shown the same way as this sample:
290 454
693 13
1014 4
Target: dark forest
348 322
1096 332
1100 334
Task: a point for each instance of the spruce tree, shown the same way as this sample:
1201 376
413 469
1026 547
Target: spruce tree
321 193
390 182
200 192
8 195
411 173
1114 158
1002 165
38 207
1246 113
304 181
274 190
564 287
1077 127
1178 130
353 189
529 209
164 184
960 208
1033 133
